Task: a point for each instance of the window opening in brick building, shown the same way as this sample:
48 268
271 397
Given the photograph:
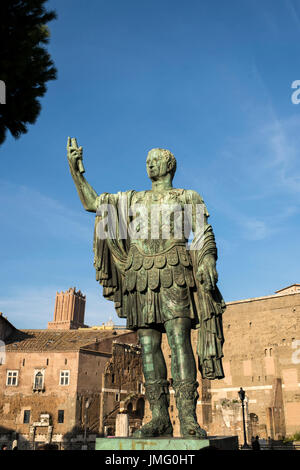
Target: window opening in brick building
61 416
38 380
26 418
12 378
64 377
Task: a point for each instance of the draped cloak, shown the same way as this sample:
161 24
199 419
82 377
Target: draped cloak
111 262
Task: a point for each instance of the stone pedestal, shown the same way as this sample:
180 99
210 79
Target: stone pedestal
167 443
122 425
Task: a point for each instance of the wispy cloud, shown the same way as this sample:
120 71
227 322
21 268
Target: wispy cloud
33 215
295 15
256 180
281 140
255 228
32 308
267 169
27 208
266 159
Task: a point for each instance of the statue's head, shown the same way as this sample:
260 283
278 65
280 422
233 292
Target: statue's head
159 163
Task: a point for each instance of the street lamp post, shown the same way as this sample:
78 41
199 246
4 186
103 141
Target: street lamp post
242 398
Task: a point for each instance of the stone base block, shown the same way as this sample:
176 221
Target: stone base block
166 443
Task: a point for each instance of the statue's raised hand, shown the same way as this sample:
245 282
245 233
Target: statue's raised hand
74 154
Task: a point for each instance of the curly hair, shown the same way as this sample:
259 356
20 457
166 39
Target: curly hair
169 157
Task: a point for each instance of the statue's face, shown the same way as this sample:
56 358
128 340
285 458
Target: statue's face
156 165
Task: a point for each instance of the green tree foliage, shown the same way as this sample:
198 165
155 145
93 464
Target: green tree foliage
294 437
25 65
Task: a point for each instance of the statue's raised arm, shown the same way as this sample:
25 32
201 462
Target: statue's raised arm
85 191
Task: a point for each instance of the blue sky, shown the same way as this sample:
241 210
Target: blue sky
211 81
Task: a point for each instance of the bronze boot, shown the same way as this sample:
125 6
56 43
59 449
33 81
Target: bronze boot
186 396
157 393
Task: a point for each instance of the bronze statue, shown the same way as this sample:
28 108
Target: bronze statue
160 284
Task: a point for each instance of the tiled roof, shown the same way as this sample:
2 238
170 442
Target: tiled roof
57 340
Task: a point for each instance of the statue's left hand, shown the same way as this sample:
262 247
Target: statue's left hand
207 273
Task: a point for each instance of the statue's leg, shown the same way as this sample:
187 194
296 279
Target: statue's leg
184 376
156 385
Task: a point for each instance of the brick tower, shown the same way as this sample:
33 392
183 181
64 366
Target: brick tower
69 310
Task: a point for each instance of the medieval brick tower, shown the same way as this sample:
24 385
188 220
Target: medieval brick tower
69 310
